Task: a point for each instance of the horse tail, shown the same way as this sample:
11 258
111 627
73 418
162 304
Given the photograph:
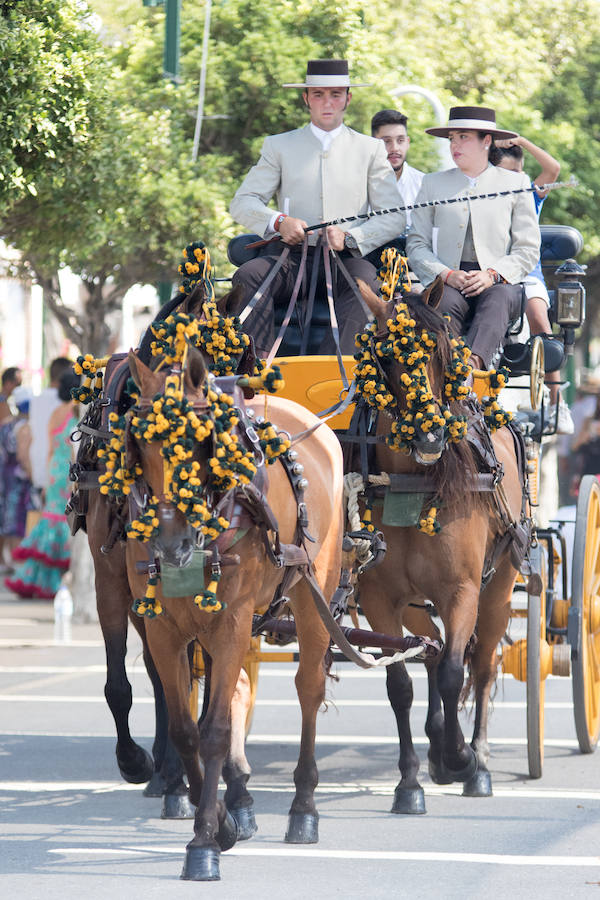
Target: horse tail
468 686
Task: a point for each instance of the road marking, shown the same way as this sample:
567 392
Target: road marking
294 740
287 787
292 702
359 855
17 643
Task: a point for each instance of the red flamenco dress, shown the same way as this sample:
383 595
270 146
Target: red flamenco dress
45 553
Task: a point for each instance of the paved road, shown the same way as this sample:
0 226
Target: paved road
69 828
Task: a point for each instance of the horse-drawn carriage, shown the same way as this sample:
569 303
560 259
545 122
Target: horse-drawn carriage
457 519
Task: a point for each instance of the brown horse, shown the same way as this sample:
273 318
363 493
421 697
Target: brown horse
445 570
163 770
244 588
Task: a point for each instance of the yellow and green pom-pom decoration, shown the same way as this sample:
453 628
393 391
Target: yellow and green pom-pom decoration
495 417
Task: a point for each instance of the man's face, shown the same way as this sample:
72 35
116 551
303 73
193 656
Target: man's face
327 106
396 142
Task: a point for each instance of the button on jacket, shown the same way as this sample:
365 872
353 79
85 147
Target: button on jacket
505 230
350 178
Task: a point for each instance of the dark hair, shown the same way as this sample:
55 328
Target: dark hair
387 117
497 153
68 380
10 374
58 366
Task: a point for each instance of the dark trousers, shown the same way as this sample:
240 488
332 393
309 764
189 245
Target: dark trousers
482 320
350 313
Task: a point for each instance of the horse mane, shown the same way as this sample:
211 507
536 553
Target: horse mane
457 467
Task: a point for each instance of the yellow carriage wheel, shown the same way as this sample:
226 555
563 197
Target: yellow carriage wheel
539 665
537 372
584 615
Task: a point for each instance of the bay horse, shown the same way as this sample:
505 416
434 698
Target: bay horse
446 568
243 589
163 769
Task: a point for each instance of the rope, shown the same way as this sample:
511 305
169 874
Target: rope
353 486
555 185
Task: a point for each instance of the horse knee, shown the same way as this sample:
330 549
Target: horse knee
399 687
214 740
118 695
451 676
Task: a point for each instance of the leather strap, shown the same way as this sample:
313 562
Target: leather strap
335 331
291 304
263 287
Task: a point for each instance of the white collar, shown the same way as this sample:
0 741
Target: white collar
325 137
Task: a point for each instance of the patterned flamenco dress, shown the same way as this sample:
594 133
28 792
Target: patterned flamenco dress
45 553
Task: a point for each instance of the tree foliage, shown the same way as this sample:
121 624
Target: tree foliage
96 171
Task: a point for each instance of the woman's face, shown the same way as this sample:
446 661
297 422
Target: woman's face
469 150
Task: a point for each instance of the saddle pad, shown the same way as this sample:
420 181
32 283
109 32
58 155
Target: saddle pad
188 581
402 509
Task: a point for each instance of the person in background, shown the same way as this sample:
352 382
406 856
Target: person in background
41 408
389 126
11 379
508 154
15 474
44 554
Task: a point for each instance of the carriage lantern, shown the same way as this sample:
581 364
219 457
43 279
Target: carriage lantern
570 295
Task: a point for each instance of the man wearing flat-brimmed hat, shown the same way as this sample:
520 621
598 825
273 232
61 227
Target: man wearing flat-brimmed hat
481 248
320 172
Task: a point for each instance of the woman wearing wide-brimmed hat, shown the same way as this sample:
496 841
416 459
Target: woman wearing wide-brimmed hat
481 248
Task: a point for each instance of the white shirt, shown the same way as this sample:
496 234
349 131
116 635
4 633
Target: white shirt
326 139
409 185
41 408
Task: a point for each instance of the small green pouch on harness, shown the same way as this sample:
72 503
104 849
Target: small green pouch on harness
400 509
187 581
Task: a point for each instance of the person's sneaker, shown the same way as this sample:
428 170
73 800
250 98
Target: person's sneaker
564 424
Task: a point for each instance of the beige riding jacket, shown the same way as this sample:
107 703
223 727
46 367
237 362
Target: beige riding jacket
349 178
506 233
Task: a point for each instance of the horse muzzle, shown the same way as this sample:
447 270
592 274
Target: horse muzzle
427 447
175 542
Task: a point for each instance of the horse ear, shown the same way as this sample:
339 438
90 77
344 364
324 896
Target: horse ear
139 371
231 304
192 305
195 369
380 308
433 294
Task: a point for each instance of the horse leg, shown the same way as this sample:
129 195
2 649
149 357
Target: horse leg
215 829
113 599
458 761
434 725
303 819
494 610
409 797
236 770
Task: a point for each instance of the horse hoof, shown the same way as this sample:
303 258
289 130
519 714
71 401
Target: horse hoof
409 801
464 774
227 834
155 787
201 864
439 774
478 785
303 828
177 806
139 770
245 821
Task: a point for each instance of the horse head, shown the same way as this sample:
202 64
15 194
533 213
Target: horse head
413 370
165 433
